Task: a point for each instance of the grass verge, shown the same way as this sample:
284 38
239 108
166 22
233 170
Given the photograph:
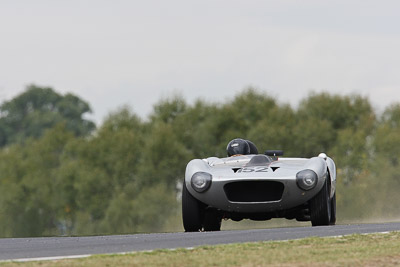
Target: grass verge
352 250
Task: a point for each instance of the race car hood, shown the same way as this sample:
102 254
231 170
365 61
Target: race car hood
254 166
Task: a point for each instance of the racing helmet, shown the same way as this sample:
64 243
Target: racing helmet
238 146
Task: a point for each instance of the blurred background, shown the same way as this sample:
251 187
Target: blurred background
62 175
102 104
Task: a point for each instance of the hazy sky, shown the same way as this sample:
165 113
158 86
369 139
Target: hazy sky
118 52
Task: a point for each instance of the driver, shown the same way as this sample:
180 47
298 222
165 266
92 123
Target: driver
238 147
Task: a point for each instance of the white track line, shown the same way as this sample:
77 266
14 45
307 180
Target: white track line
49 258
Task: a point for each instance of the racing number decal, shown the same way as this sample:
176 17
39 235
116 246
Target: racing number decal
255 169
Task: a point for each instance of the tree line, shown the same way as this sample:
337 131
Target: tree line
62 175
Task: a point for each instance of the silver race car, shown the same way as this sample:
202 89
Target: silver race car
248 185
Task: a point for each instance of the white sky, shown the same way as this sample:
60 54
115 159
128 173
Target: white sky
117 52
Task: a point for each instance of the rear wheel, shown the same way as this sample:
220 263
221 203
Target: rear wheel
320 207
192 211
212 220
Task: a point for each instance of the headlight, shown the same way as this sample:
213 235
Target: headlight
306 179
201 181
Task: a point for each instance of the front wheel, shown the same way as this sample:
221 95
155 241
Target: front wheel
333 210
212 220
192 211
320 207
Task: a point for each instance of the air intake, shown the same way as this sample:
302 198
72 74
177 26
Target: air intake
254 191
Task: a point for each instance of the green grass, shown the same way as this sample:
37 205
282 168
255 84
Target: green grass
352 250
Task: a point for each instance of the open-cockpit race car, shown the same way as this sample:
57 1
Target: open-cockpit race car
248 185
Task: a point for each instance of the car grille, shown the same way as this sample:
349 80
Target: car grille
254 191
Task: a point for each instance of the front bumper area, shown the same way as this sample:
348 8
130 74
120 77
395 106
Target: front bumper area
249 195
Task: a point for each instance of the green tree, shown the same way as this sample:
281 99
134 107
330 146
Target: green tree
209 127
192 129
340 111
37 109
387 137
29 192
101 166
275 131
384 179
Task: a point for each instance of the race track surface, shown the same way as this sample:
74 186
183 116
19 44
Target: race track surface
20 248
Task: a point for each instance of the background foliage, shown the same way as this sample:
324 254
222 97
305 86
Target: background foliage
60 175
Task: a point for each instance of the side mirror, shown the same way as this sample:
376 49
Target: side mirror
274 153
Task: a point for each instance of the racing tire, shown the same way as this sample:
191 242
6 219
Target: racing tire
192 211
320 207
333 210
212 220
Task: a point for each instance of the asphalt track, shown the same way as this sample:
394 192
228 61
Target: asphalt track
23 248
